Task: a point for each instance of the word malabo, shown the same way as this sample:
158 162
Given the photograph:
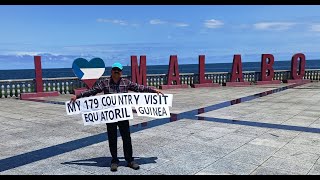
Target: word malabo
139 75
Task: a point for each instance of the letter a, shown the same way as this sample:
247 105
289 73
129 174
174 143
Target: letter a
236 73
173 72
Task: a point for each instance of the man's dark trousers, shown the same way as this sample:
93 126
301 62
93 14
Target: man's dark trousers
126 138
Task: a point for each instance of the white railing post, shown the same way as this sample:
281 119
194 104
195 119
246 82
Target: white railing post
18 90
67 88
153 81
49 87
2 91
8 91
23 88
148 81
44 87
58 87
158 81
29 87
62 88
13 90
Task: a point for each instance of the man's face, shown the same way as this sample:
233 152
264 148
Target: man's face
116 72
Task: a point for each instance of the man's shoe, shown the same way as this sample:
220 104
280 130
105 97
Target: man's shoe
133 165
114 167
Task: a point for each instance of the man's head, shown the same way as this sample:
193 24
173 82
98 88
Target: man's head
116 70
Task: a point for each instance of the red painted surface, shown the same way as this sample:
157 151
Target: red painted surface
38 94
139 75
302 64
202 79
268 82
89 82
267 66
79 90
173 72
38 73
236 84
174 86
236 72
205 85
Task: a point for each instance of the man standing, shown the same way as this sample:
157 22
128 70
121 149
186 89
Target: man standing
117 84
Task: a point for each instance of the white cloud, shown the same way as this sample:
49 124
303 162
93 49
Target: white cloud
212 23
157 21
315 27
114 21
181 24
278 26
26 53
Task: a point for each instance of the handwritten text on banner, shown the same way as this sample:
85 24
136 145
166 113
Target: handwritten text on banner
112 100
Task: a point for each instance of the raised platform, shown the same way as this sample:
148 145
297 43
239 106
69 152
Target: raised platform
297 81
38 94
236 84
174 86
205 85
268 82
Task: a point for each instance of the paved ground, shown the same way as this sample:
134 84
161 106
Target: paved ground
277 133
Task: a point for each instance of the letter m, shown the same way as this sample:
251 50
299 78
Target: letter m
71 107
139 75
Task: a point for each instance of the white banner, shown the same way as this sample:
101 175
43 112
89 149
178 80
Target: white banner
92 103
110 115
153 111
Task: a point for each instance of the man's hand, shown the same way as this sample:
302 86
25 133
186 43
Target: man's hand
73 99
158 92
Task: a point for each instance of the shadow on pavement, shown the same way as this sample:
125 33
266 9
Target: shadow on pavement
106 161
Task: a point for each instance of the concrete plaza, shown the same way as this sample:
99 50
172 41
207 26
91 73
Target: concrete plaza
275 132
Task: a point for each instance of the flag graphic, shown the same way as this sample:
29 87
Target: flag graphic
88 72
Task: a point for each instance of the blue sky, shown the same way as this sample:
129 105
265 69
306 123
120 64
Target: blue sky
62 33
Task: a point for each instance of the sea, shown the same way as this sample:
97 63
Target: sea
153 69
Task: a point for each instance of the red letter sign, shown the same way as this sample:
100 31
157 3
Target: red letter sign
173 73
38 70
39 83
202 79
236 73
139 75
267 67
294 63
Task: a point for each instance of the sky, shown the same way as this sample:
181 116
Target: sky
62 33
